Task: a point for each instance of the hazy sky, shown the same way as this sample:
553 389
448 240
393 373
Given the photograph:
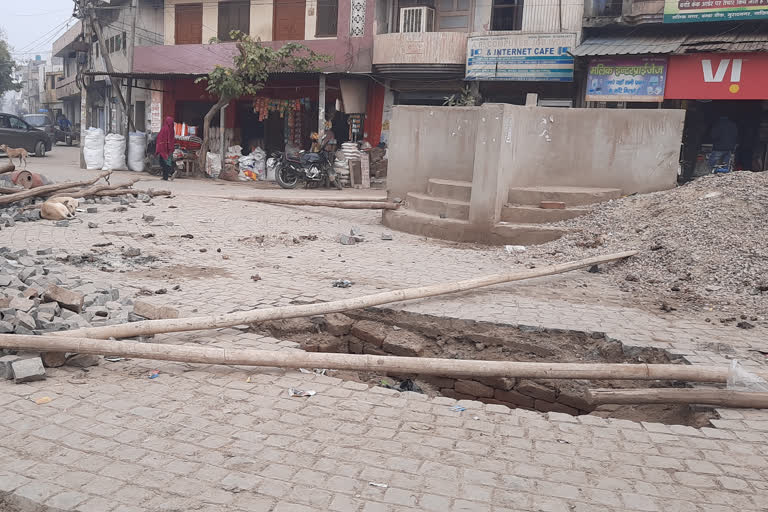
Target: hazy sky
31 26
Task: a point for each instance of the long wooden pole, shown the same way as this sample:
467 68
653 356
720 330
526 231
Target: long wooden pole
716 397
46 189
92 190
405 365
147 327
350 205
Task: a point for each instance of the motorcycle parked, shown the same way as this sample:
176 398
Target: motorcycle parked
315 169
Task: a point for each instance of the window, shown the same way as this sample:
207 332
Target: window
327 18
189 24
17 124
124 41
117 43
453 15
233 16
507 15
4 122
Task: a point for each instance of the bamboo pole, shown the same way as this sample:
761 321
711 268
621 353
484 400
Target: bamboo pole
46 189
93 189
715 397
394 364
129 330
350 205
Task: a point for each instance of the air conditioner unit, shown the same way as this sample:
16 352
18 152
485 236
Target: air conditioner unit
417 19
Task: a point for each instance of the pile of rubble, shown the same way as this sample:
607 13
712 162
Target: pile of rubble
702 245
37 298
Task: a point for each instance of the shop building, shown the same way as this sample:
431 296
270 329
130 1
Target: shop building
652 54
502 50
292 105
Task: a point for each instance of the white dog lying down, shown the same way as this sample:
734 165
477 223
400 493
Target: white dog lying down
59 208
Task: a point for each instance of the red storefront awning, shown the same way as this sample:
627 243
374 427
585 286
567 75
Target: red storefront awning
717 76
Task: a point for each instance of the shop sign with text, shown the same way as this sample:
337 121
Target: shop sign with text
626 79
684 11
521 57
717 76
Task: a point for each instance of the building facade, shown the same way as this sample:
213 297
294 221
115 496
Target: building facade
710 61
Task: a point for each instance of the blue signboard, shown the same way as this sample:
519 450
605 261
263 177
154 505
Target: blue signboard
521 57
626 79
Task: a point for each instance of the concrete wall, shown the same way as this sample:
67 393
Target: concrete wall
634 150
430 142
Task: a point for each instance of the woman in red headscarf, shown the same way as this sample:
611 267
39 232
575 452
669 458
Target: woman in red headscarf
166 141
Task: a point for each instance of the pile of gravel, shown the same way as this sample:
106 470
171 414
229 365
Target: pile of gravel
703 245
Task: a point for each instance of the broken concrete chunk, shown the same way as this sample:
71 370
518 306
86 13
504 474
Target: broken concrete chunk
27 370
347 240
92 225
25 320
92 209
65 298
21 304
6 327
372 332
44 252
152 312
61 223
6 370
131 252
49 307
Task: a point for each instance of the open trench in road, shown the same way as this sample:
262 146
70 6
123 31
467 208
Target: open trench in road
397 333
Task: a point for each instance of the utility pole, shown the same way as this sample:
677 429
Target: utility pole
129 92
105 55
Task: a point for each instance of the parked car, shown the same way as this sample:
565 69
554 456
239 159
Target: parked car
17 133
44 122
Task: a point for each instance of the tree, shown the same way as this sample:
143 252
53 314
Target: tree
7 66
252 66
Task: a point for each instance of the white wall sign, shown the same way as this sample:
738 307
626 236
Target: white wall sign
521 57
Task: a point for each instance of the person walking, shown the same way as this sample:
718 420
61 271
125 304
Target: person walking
164 145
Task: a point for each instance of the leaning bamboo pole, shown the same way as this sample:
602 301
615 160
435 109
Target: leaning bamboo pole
394 364
147 327
297 201
715 397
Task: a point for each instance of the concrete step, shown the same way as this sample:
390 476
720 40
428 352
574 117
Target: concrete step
571 196
437 206
526 234
450 189
536 215
411 221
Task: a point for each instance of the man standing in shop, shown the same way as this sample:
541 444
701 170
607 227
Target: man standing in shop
725 137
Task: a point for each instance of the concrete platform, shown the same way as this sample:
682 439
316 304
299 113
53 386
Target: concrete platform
536 215
437 206
457 230
450 189
571 196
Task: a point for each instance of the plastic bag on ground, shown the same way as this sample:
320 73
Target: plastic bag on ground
114 153
740 379
93 148
137 148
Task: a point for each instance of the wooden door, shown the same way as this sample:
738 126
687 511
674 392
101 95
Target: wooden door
189 24
288 22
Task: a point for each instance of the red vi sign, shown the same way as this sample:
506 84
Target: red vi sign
717 76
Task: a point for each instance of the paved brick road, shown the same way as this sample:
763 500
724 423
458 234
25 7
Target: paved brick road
204 438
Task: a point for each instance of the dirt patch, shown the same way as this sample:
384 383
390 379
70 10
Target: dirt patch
181 271
389 332
108 262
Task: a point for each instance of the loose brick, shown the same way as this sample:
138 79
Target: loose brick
337 324
513 397
21 304
536 390
65 298
552 205
27 370
544 406
6 370
473 388
503 383
575 401
153 312
438 382
371 332
355 345
404 344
